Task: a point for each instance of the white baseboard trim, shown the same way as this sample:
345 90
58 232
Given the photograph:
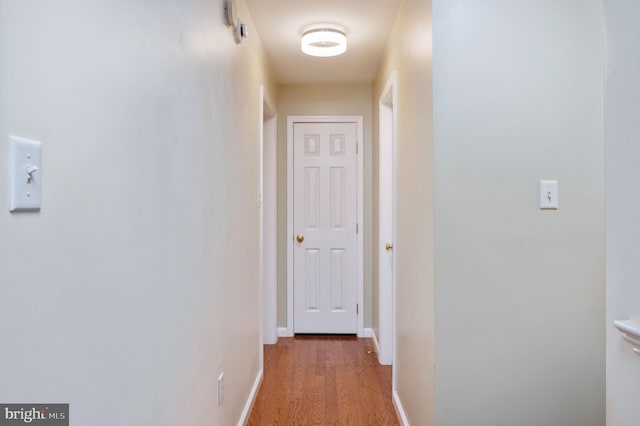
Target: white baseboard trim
252 398
271 343
399 409
367 332
376 345
284 332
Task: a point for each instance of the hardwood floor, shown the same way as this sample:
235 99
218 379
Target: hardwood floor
323 380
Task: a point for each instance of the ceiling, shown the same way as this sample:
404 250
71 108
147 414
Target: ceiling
280 24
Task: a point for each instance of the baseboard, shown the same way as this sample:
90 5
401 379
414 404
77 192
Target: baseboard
376 345
367 332
252 398
399 409
284 332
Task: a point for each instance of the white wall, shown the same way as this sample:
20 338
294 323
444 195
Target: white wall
408 51
622 107
324 99
519 336
117 296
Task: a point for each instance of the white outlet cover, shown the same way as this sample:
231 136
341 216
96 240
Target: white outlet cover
24 161
549 194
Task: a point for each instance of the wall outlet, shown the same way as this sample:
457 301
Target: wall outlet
220 388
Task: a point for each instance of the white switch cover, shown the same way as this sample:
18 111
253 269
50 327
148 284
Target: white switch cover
25 174
548 194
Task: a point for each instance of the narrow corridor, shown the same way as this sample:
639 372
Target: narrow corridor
323 380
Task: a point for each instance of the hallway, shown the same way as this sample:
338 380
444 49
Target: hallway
140 283
323 380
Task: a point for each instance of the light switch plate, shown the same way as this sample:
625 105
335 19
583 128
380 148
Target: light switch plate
25 174
549 194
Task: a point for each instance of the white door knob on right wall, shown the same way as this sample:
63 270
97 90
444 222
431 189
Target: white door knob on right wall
549 194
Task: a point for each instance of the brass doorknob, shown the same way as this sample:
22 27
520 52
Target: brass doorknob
388 246
299 238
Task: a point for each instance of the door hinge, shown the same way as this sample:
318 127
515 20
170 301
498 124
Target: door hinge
357 145
357 228
357 309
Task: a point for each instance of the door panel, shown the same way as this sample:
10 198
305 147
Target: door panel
312 279
312 197
325 214
337 280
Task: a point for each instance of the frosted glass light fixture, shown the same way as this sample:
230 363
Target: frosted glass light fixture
324 42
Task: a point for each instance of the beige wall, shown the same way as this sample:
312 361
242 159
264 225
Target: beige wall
116 297
409 52
519 292
353 99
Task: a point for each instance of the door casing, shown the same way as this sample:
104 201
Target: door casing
388 135
358 120
267 202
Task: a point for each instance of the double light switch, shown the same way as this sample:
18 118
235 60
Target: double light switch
25 174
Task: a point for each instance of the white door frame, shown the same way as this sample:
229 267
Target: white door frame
267 202
388 137
291 120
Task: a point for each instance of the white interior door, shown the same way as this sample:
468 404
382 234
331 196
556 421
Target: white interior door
324 224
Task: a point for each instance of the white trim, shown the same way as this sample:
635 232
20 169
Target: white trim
252 398
261 280
375 343
367 333
388 136
268 275
284 332
400 409
360 236
289 226
360 190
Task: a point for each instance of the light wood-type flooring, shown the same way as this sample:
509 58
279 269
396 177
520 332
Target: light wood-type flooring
323 380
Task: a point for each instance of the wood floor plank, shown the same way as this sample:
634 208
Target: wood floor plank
323 380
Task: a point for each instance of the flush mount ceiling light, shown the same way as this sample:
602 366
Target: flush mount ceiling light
324 42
